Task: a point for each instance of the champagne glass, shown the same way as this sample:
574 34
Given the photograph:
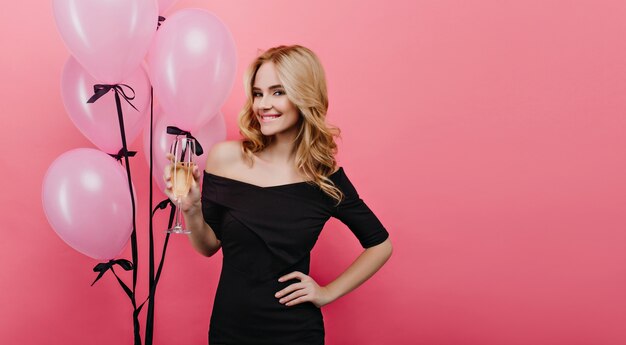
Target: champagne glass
182 150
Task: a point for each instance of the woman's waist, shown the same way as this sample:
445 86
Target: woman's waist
242 295
263 270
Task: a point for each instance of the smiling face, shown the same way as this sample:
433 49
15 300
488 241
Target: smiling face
271 106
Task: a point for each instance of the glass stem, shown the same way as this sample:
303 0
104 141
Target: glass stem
179 213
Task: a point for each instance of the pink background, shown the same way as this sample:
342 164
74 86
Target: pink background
488 137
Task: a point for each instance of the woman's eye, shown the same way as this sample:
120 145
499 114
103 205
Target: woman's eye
279 93
257 94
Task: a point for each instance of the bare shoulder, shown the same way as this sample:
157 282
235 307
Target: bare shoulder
222 156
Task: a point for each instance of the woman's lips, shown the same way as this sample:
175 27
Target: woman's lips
269 117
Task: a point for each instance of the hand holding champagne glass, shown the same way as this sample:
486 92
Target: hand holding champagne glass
181 177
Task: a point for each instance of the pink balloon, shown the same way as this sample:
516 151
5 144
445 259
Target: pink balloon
86 200
164 5
209 134
98 121
192 66
109 38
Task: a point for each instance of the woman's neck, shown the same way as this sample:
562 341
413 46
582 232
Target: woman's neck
281 150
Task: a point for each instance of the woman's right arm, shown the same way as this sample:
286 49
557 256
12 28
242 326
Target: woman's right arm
202 236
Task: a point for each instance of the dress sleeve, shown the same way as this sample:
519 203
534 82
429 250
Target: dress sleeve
354 213
212 212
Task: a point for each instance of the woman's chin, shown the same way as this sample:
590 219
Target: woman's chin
282 131
267 132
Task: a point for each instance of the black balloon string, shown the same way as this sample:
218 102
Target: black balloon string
99 91
151 280
167 237
162 205
155 276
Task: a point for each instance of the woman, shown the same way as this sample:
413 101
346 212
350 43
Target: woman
265 200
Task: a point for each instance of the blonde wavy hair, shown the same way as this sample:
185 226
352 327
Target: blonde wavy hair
302 75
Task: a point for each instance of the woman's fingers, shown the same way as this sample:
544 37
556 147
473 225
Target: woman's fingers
291 297
306 290
196 173
288 289
301 299
295 293
292 275
167 174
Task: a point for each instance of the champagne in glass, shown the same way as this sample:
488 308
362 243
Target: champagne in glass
181 178
182 165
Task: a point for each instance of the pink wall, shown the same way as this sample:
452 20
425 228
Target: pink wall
488 136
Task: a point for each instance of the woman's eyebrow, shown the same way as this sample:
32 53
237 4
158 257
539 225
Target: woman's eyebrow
271 87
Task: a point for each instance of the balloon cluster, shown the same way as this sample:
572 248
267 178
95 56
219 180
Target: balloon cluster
189 62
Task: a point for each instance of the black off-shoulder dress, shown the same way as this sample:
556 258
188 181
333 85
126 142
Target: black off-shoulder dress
267 232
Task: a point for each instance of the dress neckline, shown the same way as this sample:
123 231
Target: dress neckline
265 187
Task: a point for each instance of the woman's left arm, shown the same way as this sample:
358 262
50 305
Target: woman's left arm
307 290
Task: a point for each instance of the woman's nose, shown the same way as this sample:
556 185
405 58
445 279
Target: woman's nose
264 103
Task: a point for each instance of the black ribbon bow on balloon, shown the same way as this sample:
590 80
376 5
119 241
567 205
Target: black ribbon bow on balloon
123 153
102 89
177 131
105 266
